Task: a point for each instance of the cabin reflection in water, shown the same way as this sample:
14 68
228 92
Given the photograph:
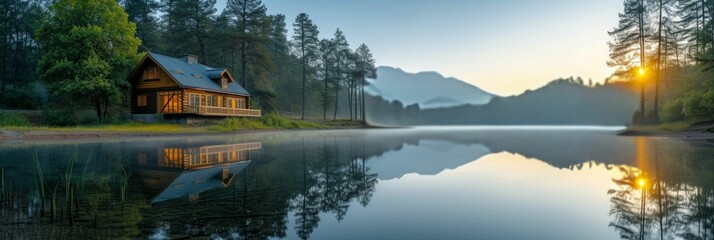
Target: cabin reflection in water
185 172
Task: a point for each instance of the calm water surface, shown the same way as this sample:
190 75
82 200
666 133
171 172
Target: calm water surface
429 183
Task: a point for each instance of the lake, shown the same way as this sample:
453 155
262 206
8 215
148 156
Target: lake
423 183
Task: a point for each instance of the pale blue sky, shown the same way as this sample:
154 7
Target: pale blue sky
502 46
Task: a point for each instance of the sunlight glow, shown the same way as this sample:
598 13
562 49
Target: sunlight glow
641 71
641 182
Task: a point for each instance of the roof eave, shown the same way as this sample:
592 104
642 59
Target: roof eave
166 70
217 91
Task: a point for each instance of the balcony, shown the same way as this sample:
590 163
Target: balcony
222 111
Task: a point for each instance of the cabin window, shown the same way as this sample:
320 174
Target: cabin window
143 159
219 101
151 74
210 101
203 100
241 103
194 100
170 102
172 157
224 83
141 100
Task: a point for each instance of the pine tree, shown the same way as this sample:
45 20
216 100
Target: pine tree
693 21
142 12
252 27
628 46
660 7
327 63
366 68
305 43
188 24
342 52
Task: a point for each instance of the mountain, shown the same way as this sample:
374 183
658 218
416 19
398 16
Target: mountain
428 89
561 102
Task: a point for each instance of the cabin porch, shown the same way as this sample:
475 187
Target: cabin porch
204 104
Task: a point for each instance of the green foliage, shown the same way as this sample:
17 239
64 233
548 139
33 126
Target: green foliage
18 52
269 121
87 117
672 111
23 97
59 118
188 25
147 25
89 48
13 120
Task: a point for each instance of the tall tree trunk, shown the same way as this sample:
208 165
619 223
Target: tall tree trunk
659 63
4 51
106 107
244 71
97 107
324 98
304 75
364 117
349 96
643 58
337 94
338 79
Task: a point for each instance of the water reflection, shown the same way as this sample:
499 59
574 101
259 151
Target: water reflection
668 195
324 183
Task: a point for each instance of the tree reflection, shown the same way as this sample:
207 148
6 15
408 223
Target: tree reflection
303 177
676 201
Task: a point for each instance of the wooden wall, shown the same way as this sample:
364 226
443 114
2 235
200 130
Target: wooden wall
150 88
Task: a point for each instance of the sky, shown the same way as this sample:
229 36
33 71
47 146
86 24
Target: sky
502 46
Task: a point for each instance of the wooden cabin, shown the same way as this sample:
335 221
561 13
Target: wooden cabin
176 170
179 87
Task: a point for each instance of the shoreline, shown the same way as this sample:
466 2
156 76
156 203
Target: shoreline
18 136
40 136
700 132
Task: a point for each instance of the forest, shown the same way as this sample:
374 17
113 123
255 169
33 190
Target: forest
665 49
70 58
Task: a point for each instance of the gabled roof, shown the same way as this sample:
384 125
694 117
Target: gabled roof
198 181
197 76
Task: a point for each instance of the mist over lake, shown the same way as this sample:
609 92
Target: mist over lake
456 183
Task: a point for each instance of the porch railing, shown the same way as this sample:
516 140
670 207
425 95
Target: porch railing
223 111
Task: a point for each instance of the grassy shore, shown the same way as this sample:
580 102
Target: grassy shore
661 128
28 132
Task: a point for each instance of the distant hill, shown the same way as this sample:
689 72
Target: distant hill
561 102
428 89
441 102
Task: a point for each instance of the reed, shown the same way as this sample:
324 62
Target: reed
40 183
68 175
84 173
124 184
2 184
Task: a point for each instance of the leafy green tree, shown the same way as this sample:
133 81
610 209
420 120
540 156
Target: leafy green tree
89 48
305 42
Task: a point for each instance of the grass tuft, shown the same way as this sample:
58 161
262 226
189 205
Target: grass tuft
269 121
